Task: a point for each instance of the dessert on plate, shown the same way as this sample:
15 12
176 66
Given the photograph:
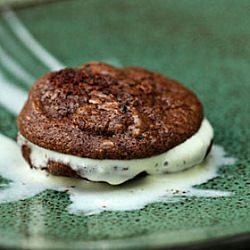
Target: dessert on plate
109 124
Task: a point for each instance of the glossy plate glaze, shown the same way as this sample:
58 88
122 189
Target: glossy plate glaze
204 44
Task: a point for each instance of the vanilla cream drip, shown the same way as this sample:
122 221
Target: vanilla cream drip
90 197
183 156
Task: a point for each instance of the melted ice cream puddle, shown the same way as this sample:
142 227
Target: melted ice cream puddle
90 198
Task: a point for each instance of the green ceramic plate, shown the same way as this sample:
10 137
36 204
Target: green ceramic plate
204 44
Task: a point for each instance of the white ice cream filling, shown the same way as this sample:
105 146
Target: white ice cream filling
185 155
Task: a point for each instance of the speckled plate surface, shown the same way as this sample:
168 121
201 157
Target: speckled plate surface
205 45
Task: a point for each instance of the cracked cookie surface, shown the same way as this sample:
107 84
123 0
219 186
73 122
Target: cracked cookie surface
102 112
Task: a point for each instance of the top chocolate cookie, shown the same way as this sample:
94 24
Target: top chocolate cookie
102 112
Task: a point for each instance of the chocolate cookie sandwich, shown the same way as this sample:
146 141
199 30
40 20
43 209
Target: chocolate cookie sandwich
103 123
